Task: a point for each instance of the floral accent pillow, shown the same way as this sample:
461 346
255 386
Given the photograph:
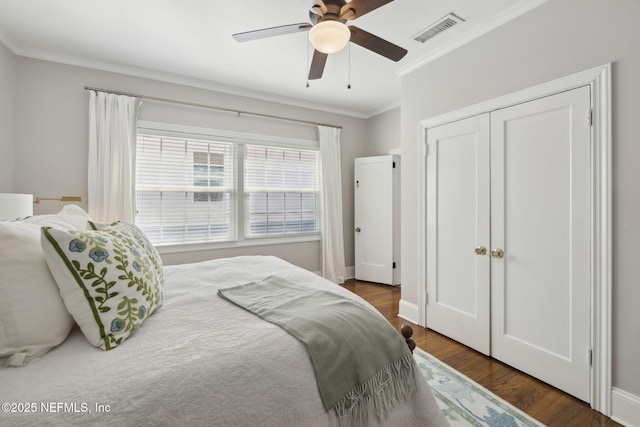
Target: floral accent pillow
141 238
109 279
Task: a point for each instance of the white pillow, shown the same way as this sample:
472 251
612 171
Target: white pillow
110 279
70 216
33 318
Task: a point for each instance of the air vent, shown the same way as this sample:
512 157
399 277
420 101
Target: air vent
438 27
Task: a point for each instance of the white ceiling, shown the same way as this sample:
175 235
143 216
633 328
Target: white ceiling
189 42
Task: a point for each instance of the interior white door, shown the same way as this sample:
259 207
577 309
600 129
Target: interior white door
458 295
373 219
540 219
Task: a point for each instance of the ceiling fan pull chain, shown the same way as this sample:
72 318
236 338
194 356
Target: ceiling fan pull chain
307 73
349 68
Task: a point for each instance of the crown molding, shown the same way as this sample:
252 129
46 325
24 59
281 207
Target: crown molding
178 79
384 109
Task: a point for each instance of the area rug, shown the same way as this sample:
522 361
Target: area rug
466 403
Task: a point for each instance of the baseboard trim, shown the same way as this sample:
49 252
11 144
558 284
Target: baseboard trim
625 408
408 311
350 272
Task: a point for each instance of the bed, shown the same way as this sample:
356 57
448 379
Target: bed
198 360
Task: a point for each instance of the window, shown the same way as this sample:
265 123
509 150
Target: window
200 185
208 171
281 190
184 189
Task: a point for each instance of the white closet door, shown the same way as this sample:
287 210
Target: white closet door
540 218
458 297
373 218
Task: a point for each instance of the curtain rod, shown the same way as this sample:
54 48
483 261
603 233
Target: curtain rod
211 107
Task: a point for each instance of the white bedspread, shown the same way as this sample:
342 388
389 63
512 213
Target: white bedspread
198 361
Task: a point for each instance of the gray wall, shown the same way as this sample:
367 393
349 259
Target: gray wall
7 101
51 131
383 132
559 38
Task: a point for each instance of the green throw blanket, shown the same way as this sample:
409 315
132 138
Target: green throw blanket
362 365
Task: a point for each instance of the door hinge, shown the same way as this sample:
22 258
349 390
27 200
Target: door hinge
590 355
394 165
590 117
394 265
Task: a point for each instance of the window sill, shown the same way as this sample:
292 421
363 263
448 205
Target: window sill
204 246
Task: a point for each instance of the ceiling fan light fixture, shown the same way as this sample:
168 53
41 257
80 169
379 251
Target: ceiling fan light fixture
329 36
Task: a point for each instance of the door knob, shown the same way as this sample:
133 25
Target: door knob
497 253
481 250
358 229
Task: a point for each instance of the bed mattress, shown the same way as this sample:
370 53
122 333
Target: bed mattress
199 360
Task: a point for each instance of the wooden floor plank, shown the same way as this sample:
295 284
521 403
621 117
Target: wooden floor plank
538 399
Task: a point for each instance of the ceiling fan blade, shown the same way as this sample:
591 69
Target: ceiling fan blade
317 65
361 7
273 31
376 44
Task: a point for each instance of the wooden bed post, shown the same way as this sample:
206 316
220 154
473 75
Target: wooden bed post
407 332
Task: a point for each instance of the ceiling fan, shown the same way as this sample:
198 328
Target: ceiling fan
329 33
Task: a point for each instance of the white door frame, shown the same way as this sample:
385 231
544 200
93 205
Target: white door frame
599 79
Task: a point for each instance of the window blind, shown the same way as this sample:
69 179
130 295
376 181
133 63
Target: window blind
185 189
281 191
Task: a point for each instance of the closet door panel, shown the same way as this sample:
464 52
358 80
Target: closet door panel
540 218
457 223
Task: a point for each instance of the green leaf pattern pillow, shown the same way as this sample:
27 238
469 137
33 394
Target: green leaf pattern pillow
141 238
110 279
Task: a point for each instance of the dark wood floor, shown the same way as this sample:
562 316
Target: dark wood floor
543 402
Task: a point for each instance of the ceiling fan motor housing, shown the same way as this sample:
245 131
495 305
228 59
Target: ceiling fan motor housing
331 10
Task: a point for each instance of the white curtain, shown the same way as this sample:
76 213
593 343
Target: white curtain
333 268
112 148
